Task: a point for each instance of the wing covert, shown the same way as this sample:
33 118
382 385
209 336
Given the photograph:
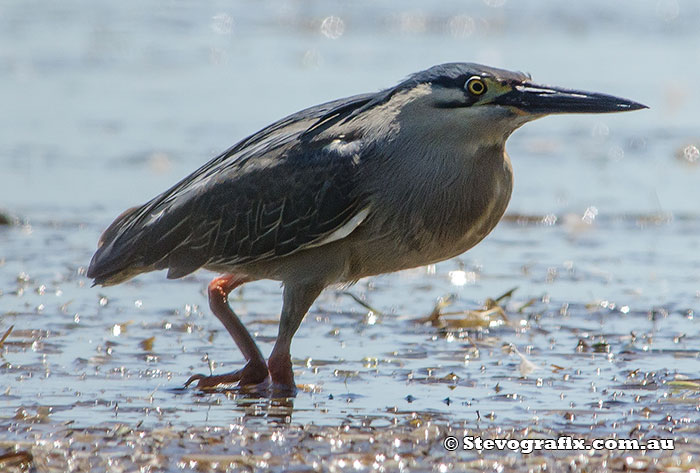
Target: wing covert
269 196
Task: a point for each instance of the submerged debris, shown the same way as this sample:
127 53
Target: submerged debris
492 314
147 344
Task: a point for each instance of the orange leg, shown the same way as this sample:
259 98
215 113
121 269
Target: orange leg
255 369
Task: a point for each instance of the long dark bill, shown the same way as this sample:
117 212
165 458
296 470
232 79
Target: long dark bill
538 99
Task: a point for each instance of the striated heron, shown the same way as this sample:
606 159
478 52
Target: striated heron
359 186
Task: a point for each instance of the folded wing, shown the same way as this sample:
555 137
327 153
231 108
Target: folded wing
275 193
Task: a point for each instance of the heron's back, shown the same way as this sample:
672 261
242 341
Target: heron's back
270 195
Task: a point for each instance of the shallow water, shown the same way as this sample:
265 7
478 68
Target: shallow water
105 106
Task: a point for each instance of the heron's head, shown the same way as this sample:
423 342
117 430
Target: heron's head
491 103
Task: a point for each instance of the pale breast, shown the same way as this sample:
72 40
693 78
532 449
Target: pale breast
432 217
475 205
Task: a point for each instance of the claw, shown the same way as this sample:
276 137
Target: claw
196 377
192 379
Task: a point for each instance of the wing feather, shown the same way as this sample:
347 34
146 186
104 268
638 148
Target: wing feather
268 196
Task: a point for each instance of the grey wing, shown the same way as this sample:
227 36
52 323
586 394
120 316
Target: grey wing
266 213
270 198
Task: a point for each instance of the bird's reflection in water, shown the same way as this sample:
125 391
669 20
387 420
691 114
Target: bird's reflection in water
253 404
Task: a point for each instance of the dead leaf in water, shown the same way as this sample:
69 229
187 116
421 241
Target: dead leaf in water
147 344
477 318
434 316
468 319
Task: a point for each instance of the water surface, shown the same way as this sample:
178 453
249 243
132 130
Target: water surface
107 105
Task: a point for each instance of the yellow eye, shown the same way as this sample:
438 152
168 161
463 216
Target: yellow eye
476 86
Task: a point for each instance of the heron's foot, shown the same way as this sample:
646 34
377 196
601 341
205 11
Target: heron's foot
250 374
281 375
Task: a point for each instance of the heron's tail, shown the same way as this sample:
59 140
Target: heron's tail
114 261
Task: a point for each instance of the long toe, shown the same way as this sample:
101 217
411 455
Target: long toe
213 381
250 374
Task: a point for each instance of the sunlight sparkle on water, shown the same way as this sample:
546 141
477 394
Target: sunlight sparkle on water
332 27
691 153
461 278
